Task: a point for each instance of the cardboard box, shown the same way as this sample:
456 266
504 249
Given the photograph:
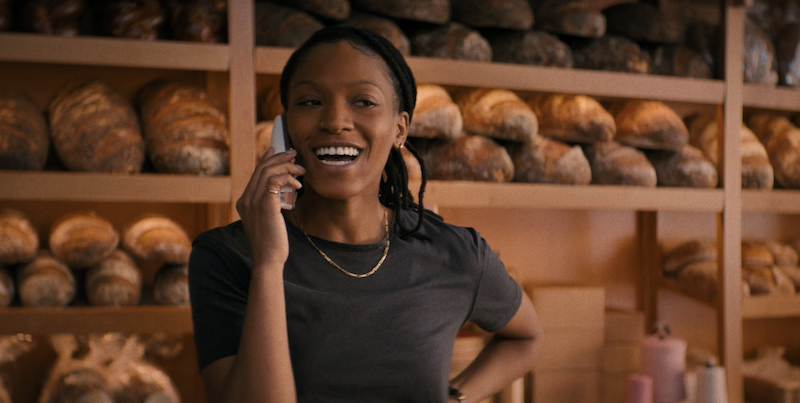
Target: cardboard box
571 350
561 308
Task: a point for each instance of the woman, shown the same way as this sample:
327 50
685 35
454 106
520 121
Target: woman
357 294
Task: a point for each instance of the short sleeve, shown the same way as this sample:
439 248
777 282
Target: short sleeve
498 296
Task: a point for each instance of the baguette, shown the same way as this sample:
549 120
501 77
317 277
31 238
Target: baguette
435 114
19 241
781 138
469 158
506 14
156 238
612 163
82 239
497 113
115 281
24 137
46 281
434 11
649 125
451 41
533 47
572 118
686 167
545 160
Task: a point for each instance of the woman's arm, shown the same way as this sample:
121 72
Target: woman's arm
509 355
261 370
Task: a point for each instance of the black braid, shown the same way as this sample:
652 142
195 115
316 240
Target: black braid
394 192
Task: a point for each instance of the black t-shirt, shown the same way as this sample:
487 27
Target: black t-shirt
383 338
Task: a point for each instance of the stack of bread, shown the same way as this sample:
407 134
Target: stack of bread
781 139
24 136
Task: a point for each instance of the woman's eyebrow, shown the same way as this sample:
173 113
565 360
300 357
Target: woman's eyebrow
353 84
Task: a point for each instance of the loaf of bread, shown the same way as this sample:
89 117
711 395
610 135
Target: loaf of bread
94 128
116 281
469 158
263 137
699 279
185 132
784 282
82 239
760 64
45 281
787 54
156 238
545 160
336 10
435 11
413 168
643 22
198 20
686 167
533 47
435 114
506 14
781 138
52 17
278 25
451 41
6 288
612 53
573 118
755 253
24 137
140 19
704 134
649 124
760 279
680 60
793 273
19 240
82 384
384 27
615 164
171 286
497 113
693 251
269 103
782 253
569 17
703 37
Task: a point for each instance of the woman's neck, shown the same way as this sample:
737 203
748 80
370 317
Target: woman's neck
353 221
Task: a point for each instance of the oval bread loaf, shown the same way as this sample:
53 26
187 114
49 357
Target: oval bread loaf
197 20
686 167
451 41
615 164
435 11
82 239
24 136
781 138
507 14
435 114
139 19
59 17
782 253
471 158
612 53
19 240
171 286
7 289
94 128
699 279
533 47
650 125
545 160
45 281
184 132
337 10
696 250
572 118
383 27
278 25
116 281
156 238
793 272
569 17
755 253
497 113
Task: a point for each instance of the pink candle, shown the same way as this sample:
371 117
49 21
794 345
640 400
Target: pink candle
664 360
639 389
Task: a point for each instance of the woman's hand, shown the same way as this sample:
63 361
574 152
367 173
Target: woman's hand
260 207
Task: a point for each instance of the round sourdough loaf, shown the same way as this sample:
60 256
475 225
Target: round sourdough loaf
435 114
545 160
24 137
383 27
755 253
82 239
156 238
451 41
613 163
572 118
468 157
497 113
507 14
116 281
171 286
435 11
45 281
277 25
18 238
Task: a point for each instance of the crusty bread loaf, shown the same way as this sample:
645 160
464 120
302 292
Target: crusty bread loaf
782 253
435 11
263 137
45 281
171 286
384 27
783 282
467 157
82 239
615 164
184 131
760 64
94 128
82 384
680 60
337 10
533 47
278 25
451 41
197 20
781 138
497 113
6 288
435 114
704 134
649 124
686 167
643 22
755 253
787 45
141 19
270 103
693 251
507 14
545 160
699 279
612 53
52 17
569 17
19 240
760 279
572 118
156 238
24 137
116 281
793 273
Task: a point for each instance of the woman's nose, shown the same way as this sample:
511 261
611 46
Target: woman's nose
336 118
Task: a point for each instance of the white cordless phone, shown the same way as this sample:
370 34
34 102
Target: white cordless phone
280 141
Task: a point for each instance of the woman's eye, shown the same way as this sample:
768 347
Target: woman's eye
309 102
365 102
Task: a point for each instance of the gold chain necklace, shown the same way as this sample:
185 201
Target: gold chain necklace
329 260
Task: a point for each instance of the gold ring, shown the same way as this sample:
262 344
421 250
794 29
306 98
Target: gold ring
273 191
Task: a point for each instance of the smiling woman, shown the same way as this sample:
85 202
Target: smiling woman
358 293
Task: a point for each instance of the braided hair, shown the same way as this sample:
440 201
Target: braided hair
394 192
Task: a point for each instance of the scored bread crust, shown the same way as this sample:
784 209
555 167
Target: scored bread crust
435 114
497 113
19 240
157 238
649 124
695 250
572 118
46 281
82 239
116 281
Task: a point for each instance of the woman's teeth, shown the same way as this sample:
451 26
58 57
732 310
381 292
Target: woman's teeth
337 155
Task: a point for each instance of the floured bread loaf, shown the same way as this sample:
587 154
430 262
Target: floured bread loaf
570 17
171 285
337 10
781 138
699 279
82 239
760 64
545 160
686 167
507 14
467 157
83 385
682 61
116 281
643 22
572 118
156 238
650 125
497 113
615 164
696 250
782 253
52 17
533 47
435 114
783 282
270 103
197 20
612 53
24 137
435 11
184 132
19 240
45 281
760 279
793 273
451 41
278 25
141 19
263 137
7 289
755 253
384 27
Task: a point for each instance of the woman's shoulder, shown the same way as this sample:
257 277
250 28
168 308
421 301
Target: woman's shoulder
435 228
231 235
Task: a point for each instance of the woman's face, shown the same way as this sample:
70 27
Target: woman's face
343 121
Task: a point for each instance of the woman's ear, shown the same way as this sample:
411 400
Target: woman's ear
402 129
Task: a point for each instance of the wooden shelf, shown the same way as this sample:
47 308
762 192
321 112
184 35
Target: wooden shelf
671 285
590 197
16 47
85 186
771 201
270 60
84 320
770 306
770 97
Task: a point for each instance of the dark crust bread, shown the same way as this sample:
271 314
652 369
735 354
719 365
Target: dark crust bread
508 14
24 136
435 11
